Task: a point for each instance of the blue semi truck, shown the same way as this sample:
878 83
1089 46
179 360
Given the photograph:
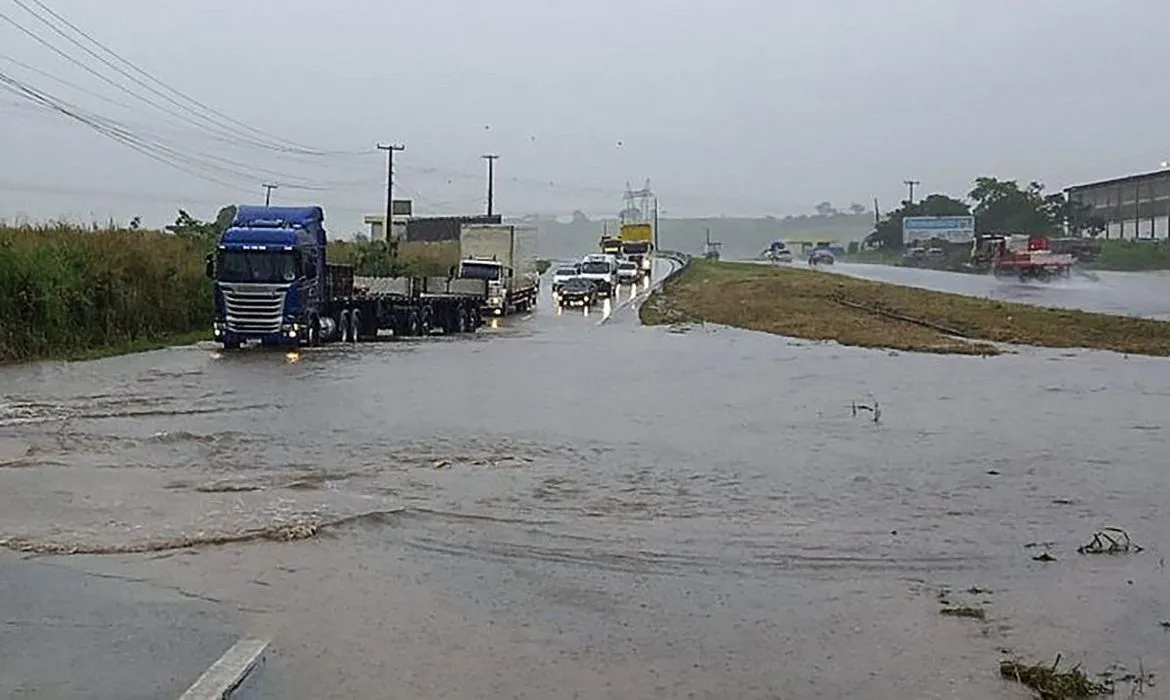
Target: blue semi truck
274 285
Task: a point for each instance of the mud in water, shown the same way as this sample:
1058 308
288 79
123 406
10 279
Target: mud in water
614 511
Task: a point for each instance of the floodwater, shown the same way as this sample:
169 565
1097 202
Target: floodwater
567 508
1145 294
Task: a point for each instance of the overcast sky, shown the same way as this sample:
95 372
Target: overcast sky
730 107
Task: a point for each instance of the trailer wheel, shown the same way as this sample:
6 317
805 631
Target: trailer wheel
425 322
463 320
355 326
1043 274
413 325
343 326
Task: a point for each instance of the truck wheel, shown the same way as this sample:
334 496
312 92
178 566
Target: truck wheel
231 345
462 320
425 322
343 326
313 333
355 326
413 324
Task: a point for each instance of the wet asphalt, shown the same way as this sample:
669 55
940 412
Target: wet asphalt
1144 294
567 508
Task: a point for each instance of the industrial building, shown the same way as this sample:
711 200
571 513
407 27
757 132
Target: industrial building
1135 206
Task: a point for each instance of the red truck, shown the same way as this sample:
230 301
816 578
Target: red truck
1019 255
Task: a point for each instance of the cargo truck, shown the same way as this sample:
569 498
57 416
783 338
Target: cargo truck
495 267
637 244
611 245
273 284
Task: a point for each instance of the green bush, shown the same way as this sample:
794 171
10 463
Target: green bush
1133 256
67 290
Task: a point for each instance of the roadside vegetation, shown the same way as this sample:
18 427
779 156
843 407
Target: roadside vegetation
69 291
823 306
1132 256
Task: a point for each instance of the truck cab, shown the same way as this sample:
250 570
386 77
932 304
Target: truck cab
269 271
601 269
637 252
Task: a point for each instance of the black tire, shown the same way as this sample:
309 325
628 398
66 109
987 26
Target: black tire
313 332
355 326
413 325
233 345
462 320
343 326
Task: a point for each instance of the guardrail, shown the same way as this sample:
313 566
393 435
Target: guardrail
683 260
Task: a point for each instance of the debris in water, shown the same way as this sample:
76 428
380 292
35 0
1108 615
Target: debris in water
964 611
1052 684
1110 540
227 487
1044 556
875 409
442 463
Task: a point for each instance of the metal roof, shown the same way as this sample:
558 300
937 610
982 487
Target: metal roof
1162 173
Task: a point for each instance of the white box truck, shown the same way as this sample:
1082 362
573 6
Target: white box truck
495 262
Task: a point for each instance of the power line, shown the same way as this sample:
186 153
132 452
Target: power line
272 143
220 164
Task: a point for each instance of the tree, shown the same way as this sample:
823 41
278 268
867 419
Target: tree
1001 206
580 217
825 209
887 235
856 209
1081 220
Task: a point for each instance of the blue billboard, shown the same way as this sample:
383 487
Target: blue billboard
953 229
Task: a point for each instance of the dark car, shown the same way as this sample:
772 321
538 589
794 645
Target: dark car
577 292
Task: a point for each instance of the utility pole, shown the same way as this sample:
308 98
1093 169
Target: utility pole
388 227
655 223
268 193
911 184
491 184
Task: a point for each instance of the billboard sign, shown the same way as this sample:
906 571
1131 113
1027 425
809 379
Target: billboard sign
953 229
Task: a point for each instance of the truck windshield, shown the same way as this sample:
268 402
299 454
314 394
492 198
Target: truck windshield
567 272
479 271
257 266
595 268
635 248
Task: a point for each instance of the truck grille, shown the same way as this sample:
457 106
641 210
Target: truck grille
254 308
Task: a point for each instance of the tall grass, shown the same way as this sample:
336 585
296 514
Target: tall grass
1133 256
68 290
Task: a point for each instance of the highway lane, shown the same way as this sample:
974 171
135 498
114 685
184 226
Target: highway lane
1144 294
557 509
71 634
74 627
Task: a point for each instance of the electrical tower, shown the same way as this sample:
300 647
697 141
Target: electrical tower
638 206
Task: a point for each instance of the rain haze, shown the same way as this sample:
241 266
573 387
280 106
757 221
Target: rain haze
739 108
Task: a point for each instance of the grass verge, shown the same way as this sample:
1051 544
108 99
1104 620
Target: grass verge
822 306
73 292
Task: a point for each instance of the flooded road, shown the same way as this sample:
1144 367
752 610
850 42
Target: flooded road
1145 294
560 508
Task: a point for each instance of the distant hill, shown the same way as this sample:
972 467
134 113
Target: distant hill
741 237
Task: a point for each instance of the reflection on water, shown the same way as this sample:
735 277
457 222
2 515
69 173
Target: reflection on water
669 513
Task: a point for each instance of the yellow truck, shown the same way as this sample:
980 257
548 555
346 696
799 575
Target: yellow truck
637 242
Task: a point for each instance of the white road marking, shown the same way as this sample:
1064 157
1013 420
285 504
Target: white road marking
226 674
